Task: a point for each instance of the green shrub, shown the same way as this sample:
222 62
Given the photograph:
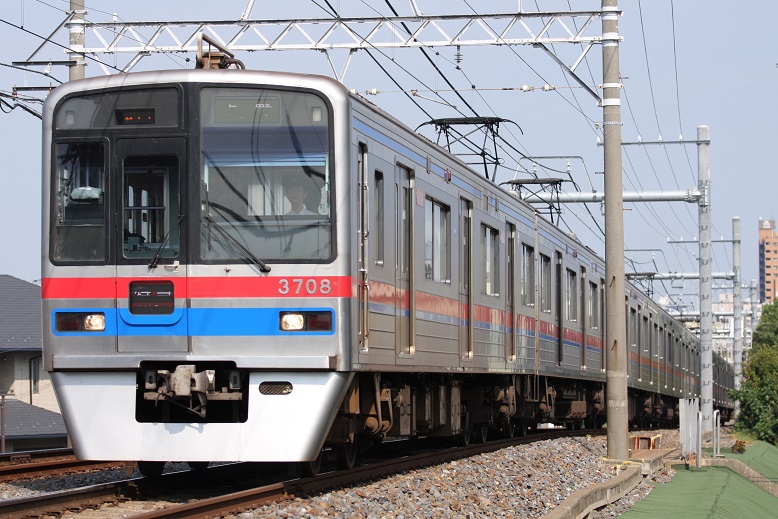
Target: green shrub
758 393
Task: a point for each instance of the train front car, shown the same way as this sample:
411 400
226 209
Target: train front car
194 300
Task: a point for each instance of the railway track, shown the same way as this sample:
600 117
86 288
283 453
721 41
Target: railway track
52 467
15 458
266 490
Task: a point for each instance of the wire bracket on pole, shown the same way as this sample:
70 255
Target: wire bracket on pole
490 126
532 186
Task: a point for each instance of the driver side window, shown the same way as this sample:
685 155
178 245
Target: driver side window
79 229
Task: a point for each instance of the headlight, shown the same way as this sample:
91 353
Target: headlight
79 322
292 322
313 321
94 323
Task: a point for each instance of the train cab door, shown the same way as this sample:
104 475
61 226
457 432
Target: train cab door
149 186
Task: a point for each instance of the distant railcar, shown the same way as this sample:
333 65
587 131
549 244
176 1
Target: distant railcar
257 266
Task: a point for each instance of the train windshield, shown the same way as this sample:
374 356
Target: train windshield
265 187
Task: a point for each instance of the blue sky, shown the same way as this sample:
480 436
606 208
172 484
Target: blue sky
684 64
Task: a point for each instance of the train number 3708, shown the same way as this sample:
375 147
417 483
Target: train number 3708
298 286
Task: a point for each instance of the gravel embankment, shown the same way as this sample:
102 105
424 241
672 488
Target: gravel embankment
519 482
522 481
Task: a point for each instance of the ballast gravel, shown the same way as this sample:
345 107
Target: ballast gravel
525 481
521 481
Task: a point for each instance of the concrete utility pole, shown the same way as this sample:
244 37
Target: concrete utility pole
76 28
615 322
737 309
706 302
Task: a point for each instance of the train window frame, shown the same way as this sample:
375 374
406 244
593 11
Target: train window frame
268 220
379 213
490 259
593 306
571 293
634 323
437 241
527 275
83 197
545 283
150 205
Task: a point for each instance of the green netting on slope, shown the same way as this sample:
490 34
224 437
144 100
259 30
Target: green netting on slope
715 493
760 456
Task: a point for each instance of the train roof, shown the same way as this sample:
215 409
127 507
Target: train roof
327 85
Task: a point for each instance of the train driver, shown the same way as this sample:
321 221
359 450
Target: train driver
297 192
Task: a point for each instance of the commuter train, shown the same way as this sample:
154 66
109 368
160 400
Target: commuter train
259 266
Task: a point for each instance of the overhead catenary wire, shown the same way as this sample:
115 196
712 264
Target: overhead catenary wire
655 111
508 143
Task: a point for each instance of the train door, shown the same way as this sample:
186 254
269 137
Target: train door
558 308
362 248
466 280
151 267
404 297
510 296
583 321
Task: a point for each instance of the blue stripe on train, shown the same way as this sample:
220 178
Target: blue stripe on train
219 322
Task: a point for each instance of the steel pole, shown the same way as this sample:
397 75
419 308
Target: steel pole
615 325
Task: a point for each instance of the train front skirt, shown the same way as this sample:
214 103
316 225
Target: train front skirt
285 427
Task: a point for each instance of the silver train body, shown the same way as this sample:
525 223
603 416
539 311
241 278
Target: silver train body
189 316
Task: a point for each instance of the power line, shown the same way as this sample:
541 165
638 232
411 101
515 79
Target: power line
49 40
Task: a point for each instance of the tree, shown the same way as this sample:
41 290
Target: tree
758 393
766 333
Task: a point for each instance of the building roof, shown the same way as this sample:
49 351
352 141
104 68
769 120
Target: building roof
23 420
20 315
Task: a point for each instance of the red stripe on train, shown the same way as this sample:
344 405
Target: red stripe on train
203 287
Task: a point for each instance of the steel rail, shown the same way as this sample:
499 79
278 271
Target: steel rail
47 468
54 504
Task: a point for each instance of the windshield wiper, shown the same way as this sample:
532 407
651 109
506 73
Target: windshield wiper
230 238
158 254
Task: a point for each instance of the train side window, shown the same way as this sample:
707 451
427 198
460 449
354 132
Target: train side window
437 242
79 233
490 250
545 283
527 275
378 209
571 291
593 306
